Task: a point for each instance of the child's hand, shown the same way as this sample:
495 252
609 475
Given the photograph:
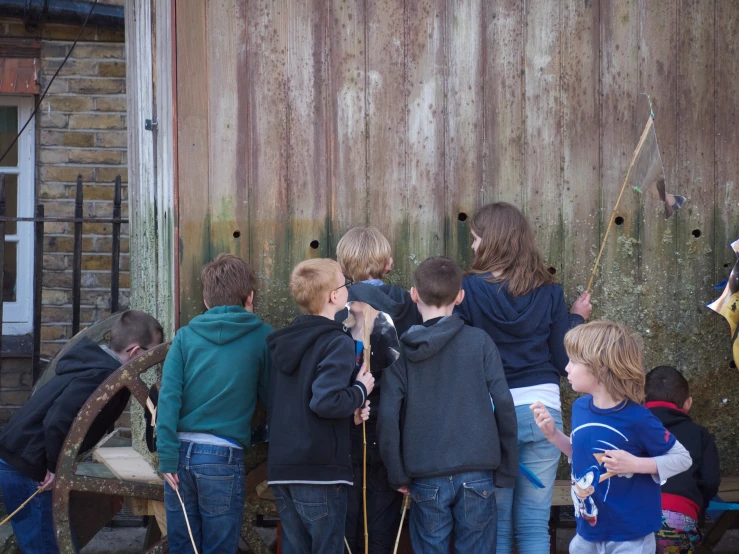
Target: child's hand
404 490
172 479
362 414
366 379
582 306
544 419
621 462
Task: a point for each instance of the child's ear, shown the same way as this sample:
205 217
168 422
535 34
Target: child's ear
460 297
414 295
389 266
688 404
249 304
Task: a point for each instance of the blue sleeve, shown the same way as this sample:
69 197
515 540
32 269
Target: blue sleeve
558 330
654 438
334 396
168 407
463 310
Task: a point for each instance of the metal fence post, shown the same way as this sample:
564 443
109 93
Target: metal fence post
77 258
115 247
38 265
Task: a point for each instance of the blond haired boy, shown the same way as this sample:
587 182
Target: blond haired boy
314 395
620 451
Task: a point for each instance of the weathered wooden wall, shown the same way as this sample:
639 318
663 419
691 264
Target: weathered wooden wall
299 119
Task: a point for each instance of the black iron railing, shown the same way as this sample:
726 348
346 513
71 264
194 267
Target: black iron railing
38 253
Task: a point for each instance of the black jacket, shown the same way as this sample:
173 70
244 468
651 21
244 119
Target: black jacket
436 416
33 438
313 400
701 482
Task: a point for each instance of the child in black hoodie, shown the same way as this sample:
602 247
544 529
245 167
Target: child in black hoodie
313 399
685 495
365 257
447 424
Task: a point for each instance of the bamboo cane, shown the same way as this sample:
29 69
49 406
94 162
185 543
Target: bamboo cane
366 332
187 521
19 508
406 506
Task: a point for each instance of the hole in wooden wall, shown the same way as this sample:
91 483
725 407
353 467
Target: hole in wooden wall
552 270
314 244
237 234
732 364
619 220
726 265
696 233
462 216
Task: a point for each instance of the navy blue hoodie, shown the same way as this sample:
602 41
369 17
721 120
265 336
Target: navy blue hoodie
313 400
528 330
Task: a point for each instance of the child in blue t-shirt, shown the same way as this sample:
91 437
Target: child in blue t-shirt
620 452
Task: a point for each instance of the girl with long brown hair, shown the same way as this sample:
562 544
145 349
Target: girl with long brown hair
510 294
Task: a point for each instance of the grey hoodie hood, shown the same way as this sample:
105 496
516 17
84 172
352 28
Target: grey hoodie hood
421 342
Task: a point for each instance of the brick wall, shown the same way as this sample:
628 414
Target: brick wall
80 128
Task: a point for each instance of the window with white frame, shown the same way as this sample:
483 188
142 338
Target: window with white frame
18 167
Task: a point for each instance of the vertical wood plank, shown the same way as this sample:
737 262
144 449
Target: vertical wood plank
726 156
308 194
542 201
658 79
616 288
386 124
229 212
426 90
695 268
504 102
465 130
267 157
192 153
347 118
580 142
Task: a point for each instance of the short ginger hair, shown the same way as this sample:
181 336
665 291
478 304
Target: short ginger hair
227 281
135 327
363 253
612 354
438 281
311 283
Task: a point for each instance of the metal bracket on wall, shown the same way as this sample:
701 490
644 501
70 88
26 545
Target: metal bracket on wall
151 124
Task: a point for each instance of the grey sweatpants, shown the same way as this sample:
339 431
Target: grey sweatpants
645 545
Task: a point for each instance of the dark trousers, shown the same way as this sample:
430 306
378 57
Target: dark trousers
383 502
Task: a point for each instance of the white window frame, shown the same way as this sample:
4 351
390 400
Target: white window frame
18 315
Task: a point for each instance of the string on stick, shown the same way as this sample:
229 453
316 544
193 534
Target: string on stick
19 508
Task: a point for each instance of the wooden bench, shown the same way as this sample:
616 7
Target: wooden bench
728 492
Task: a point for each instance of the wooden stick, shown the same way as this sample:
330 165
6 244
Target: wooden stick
647 127
187 521
367 332
19 508
346 543
406 506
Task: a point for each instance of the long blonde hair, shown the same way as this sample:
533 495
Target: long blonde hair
613 354
508 248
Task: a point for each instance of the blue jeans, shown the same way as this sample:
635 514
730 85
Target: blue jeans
33 526
523 512
312 517
212 489
463 504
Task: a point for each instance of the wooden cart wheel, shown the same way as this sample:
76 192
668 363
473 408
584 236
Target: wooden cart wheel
67 480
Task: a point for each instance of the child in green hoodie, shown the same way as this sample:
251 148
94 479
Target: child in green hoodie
215 370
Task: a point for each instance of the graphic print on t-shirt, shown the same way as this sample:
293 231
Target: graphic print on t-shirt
595 480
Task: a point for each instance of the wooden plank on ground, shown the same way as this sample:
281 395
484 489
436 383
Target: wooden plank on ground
193 154
386 124
347 119
267 152
465 124
425 65
126 464
504 107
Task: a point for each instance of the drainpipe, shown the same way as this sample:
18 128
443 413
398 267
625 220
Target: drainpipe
35 13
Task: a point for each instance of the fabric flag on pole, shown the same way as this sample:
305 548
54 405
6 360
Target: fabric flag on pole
647 174
728 303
